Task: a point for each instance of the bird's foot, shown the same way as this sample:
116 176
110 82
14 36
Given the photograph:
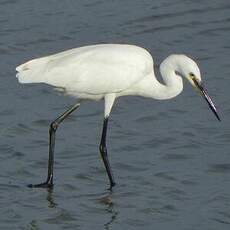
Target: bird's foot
46 184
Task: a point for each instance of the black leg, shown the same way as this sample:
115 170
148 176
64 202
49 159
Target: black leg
104 154
53 127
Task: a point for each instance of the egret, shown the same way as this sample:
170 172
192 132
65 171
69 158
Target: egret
108 71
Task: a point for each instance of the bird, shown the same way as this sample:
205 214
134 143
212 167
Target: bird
106 72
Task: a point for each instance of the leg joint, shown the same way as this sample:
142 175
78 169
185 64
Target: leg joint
53 126
103 149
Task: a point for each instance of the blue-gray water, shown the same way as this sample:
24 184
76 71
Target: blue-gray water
171 159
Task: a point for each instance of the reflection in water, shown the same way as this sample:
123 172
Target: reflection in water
33 225
113 216
107 200
49 198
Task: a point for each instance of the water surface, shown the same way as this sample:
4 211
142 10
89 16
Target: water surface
170 158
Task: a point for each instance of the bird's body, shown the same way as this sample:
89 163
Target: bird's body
91 72
108 71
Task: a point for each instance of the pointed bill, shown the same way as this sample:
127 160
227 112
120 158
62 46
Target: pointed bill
205 95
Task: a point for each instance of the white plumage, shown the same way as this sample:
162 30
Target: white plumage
91 70
108 71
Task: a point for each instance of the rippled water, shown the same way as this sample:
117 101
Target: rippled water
171 159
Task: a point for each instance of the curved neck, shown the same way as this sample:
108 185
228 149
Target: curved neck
152 88
173 82
172 87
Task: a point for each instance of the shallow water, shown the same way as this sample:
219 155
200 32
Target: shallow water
170 158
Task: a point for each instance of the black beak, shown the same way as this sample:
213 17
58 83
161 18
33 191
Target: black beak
204 93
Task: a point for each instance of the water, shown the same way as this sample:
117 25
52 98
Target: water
170 158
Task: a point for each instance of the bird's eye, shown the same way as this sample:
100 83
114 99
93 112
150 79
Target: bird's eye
191 74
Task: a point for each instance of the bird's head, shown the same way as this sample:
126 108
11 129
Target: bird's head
188 68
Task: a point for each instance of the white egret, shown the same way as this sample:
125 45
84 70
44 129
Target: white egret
108 71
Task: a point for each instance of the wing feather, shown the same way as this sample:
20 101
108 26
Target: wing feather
97 69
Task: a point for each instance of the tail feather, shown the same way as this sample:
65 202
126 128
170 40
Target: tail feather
31 71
